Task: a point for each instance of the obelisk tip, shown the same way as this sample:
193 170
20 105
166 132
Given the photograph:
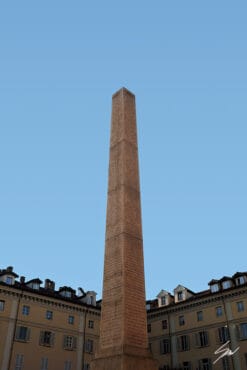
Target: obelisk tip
123 91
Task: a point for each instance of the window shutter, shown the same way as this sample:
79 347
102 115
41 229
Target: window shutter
206 338
209 364
217 336
237 332
52 339
17 333
197 340
179 343
74 342
41 338
28 333
200 364
188 342
161 347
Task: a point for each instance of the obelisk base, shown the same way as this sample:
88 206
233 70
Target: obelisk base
124 362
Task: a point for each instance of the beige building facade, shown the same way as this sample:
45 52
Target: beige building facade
43 328
186 329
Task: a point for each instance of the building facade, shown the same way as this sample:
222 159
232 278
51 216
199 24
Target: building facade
43 328
201 331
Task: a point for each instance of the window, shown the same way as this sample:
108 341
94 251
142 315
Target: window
89 346
219 311
205 364
46 338
44 363
226 284
71 320
25 310
86 367
201 339
2 305
186 365
180 295
245 356
181 320
91 324
165 346
240 306
34 286
163 300
242 331
9 280
67 365
19 362
223 334
165 367
214 288
240 280
149 328
164 324
69 342
183 343
199 316
49 315
22 333
225 363
91 300
66 293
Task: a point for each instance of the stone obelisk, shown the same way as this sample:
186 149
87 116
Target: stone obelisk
123 341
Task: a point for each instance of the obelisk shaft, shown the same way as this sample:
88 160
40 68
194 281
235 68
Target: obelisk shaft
123 331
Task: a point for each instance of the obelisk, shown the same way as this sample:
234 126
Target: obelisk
123 343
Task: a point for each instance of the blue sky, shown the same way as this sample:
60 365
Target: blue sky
60 63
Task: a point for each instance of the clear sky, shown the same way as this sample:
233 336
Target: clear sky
60 63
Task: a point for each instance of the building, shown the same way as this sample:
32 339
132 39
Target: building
43 328
47 329
186 328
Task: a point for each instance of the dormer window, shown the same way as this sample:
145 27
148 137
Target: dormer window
9 280
240 280
226 284
8 276
180 295
163 300
34 286
214 288
66 293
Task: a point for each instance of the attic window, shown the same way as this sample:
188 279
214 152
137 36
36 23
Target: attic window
180 295
163 300
214 288
34 286
66 293
9 280
226 284
240 280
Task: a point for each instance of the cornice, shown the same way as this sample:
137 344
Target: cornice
56 302
196 302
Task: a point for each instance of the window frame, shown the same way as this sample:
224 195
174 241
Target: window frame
240 306
181 320
22 333
2 305
219 311
49 315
